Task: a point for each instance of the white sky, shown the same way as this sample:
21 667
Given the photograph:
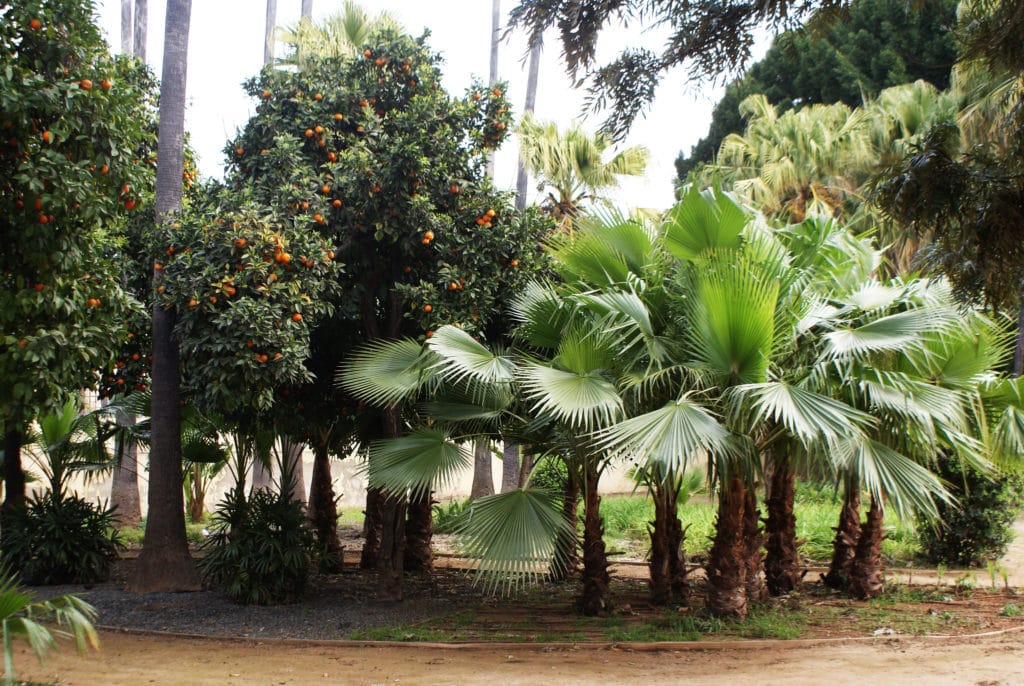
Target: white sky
226 48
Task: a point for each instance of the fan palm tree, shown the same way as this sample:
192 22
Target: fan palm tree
340 35
573 165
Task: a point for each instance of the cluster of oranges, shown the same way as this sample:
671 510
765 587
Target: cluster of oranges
485 218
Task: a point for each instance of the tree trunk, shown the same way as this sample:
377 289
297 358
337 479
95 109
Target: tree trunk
291 455
1018 353
726 569
568 543
866 571
164 563
753 538
782 562
323 509
197 499
142 29
509 466
419 531
847 535
522 178
525 468
14 479
268 34
594 600
124 487
262 476
668 565
483 478
373 518
307 9
391 560
493 74
126 27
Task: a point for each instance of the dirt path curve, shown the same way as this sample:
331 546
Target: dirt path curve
139 660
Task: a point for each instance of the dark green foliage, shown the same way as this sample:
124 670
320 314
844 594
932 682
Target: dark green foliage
60 540
447 517
881 44
260 550
550 474
980 527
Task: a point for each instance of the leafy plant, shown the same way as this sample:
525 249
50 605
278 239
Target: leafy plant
20 616
446 517
61 539
260 549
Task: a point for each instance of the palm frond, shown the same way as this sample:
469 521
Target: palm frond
417 463
896 479
703 221
583 400
460 357
809 416
892 333
385 372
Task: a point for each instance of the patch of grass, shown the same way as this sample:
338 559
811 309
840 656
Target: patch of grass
133 536
772 622
350 516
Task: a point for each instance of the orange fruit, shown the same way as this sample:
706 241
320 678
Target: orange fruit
22 342
309 133
85 84
428 235
105 83
39 287
338 116
430 333
129 204
367 53
193 302
336 203
318 129
35 24
428 308
491 213
454 189
497 92
46 136
266 95
514 263
318 96
332 157
296 317
239 242
330 254
213 299
249 344
104 169
157 266
239 151
325 189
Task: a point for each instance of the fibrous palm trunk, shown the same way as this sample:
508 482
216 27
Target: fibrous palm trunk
668 564
307 9
594 599
197 495
373 518
291 455
753 538
509 466
124 487
14 479
866 570
142 28
483 477
419 531
568 541
323 508
164 563
726 568
782 561
847 535
126 27
391 559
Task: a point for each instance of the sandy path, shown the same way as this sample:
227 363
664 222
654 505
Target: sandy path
133 660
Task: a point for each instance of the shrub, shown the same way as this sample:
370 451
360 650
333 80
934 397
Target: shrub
550 473
980 526
447 517
60 539
260 549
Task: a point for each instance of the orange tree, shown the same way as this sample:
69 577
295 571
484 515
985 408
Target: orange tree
70 125
372 154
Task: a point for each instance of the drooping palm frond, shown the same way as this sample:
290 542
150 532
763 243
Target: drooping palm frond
892 477
460 358
703 221
809 416
897 332
584 400
542 315
512 538
385 372
912 399
418 463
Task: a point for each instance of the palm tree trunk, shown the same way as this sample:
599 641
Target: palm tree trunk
1018 353
391 560
292 457
866 571
525 468
522 178
197 495
126 27
14 478
782 561
483 478
569 541
753 537
419 531
726 568
493 75
509 466
667 566
262 476
164 563
847 535
268 33
307 9
124 487
594 600
142 28
323 508
373 520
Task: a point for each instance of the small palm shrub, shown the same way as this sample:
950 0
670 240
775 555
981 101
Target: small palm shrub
60 539
260 549
979 527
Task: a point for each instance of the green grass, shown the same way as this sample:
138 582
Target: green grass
132 536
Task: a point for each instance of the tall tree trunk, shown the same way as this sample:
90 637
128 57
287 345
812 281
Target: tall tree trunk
307 9
419 531
373 519
1018 353
391 560
142 29
782 562
268 34
509 466
262 476
522 178
493 74
126 27
753 538
164 563
291 455
847 535
667 566
568 542
866 571
594 599
124 487
726 569
14 478
323 507
197 497
525 468
483 478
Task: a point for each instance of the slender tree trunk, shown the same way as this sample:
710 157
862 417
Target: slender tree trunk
753 538
419 532
124 487
262 476
594 600
14 479
373 520
391 560
268 34
483 478
142 29
680 584
126 27
1018 353
522 178
493 74
509 466
847 535
525 468
164 563
291 454
569 542
782 562
307 9
866 571
323 508
197 499
726 568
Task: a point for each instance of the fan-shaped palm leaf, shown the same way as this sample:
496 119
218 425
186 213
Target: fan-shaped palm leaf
811 417
419 462
584 400
461 357
385 372
703 221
